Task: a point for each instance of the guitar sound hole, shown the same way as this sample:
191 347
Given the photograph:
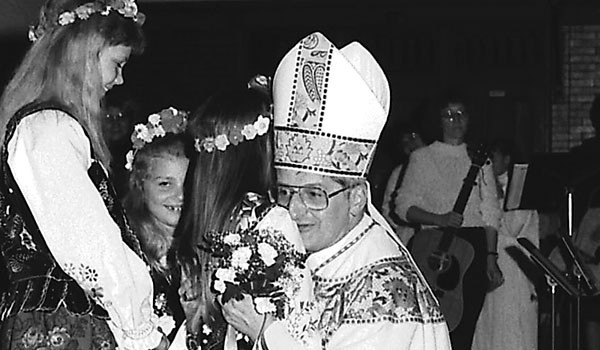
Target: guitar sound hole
450 278
439 261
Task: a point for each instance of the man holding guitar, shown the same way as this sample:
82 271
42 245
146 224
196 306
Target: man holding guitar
451 191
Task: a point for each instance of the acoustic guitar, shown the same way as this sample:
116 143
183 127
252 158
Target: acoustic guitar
444 257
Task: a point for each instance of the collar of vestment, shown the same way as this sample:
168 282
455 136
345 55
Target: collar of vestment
316 261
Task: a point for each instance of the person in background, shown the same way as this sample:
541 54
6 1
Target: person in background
157 166
78 276
410 140
434 178
515 299
122 112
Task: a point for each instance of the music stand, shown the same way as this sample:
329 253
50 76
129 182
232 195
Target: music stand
548 266
543 184
582 273
554 277
538 184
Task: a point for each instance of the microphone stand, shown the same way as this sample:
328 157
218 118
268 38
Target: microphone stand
554 277
581 272
552 283
576 270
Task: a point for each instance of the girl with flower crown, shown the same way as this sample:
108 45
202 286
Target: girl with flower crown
157 164
228 205
78 278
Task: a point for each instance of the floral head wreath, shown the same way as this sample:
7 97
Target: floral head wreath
234 136
169 120
127 8
247 132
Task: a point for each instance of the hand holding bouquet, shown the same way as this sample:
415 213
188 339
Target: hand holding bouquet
260 262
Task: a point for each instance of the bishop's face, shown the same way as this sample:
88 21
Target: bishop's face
320 228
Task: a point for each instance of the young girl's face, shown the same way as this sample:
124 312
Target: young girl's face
112 60
163 189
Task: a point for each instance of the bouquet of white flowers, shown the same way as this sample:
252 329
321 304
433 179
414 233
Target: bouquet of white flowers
259 262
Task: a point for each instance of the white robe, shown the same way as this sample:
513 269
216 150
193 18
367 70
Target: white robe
509 317
49 156
370 296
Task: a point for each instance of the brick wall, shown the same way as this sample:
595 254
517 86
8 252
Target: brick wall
580 73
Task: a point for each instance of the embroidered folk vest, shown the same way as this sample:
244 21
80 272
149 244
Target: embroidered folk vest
37 282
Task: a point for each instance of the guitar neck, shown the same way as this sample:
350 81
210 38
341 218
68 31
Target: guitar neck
465 190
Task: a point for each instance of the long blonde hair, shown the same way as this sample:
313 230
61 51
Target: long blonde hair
63 66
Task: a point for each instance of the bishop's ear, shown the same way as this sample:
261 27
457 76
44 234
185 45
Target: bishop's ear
358 199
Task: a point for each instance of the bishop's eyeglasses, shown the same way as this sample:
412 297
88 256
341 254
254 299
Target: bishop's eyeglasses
312 197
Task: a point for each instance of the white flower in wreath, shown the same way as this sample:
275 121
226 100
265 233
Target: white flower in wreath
143 133
83 12
232 239
159 131
154 119
226 275
221 142
31 34
139 128
129 157
249 132
240 257
262 80
262 125
130 8
267 253
208 144
160 301
264 305
66 18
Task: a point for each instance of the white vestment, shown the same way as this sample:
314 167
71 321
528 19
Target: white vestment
370 295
